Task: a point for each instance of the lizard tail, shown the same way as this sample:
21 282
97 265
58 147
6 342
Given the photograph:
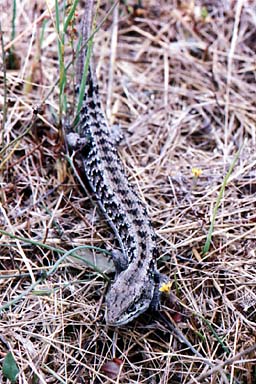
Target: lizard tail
86 28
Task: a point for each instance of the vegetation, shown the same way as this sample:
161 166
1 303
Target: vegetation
179 78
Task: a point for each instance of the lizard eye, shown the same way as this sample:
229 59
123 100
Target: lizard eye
131 308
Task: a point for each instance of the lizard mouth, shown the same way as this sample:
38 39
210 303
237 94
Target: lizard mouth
131 313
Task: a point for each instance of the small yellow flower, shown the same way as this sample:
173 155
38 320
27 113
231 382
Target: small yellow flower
197 172
165 287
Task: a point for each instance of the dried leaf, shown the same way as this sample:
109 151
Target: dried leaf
112 368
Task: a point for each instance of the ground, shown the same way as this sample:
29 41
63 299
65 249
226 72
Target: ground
179 79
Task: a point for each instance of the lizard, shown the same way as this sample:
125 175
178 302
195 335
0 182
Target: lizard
137 281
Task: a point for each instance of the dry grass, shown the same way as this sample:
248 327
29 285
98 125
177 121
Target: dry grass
180 80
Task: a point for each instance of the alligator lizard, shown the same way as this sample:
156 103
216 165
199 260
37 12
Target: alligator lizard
136 286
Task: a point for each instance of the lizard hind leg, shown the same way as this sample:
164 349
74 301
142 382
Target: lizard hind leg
160 279
120 261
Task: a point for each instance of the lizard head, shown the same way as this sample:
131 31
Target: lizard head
127 298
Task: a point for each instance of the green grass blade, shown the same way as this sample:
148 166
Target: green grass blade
5 106
51 271
59 250
84 77
62 70
216 207
70 15
14 13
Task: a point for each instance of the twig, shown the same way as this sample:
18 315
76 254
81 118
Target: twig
223 364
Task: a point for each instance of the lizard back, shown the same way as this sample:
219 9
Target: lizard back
106 176
137 280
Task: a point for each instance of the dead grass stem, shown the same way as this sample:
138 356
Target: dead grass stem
179 77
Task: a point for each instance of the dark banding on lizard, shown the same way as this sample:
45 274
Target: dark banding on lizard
136 286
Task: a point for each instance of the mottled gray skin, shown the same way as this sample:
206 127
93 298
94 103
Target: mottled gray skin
135 287
133 290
